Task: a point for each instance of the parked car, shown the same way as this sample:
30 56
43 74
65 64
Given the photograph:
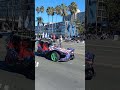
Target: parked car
53 52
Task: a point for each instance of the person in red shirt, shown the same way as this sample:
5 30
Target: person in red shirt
25 50
45 46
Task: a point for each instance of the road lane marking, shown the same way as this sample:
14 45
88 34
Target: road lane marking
36 64
102 46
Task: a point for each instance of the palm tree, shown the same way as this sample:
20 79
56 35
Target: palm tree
41 9
73 10
64 11
52 13
38 10
57 11
40 21
48 12
79 26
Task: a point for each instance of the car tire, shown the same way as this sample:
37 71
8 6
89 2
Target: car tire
54 56
72 57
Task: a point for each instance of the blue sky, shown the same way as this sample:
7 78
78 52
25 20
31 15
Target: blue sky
53 3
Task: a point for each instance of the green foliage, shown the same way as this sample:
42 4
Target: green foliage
79 26
38 9
39 20
73 8
41 9
59 9
48 10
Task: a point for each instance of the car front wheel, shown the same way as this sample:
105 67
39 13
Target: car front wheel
55 56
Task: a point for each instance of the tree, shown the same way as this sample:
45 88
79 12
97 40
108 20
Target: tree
57 11
38 10
48 12
41 9
52 14
73 10
79 26
64 11
40 21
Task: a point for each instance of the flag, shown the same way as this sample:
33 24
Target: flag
20 22
43 35
26 22
46 35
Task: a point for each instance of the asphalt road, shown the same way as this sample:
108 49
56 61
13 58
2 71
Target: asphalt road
107 65
61 75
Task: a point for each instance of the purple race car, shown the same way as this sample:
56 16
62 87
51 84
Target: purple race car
54 52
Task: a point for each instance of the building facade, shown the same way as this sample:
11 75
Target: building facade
60 28
95 15
12 10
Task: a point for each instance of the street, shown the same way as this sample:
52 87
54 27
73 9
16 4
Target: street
62 75
107 65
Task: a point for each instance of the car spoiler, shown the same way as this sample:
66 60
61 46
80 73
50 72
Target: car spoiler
72 50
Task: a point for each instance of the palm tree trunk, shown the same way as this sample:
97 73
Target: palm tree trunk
52 24
56 22
48 22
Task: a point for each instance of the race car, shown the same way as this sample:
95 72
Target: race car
19 57
53 52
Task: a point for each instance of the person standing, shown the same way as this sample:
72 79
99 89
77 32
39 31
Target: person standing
60 41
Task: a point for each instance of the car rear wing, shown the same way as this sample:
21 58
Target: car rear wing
72 50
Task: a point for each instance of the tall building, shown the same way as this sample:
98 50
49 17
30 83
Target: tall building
95 15
12 10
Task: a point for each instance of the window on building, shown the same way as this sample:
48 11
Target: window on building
99 12
104 14
99 19
104 19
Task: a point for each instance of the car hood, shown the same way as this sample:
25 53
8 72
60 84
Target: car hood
62 49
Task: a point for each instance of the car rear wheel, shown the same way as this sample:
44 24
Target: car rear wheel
55 56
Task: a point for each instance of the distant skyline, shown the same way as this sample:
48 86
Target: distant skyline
54 3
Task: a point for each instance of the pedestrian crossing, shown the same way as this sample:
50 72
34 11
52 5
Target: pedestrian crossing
4 87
